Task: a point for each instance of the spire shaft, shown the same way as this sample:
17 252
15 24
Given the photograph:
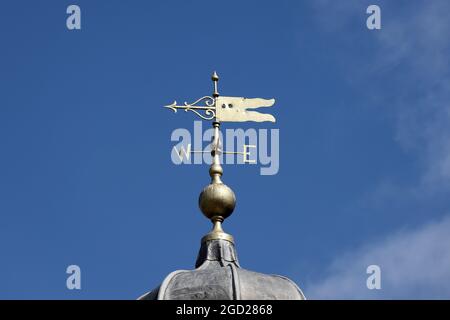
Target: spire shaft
216 171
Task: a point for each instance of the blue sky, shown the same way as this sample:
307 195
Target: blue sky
86 176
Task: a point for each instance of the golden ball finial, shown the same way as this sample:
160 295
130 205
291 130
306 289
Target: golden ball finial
217 201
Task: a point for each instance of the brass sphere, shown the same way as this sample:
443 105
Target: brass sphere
217 201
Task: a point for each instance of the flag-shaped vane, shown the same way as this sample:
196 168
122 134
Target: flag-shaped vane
237 109
227 109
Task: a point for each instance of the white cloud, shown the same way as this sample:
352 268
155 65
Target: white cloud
414 264
412 55
418 40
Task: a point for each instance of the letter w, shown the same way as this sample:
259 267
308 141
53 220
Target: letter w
186 152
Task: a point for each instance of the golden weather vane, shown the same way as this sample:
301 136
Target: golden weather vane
217 201
227 109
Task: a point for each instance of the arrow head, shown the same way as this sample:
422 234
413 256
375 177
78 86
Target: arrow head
172 106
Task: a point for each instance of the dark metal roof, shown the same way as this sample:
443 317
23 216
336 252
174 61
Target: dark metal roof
218 276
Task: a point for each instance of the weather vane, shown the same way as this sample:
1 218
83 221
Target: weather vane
217 201
227 109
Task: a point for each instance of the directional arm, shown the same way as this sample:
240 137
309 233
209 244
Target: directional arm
209 108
